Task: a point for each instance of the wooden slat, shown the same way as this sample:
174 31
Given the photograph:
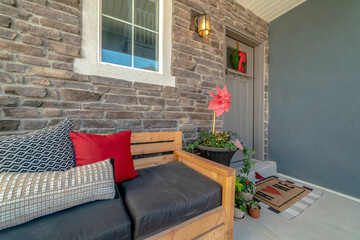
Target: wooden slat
214 234
153 161
228 196
148 137
140 149
193 227
178 141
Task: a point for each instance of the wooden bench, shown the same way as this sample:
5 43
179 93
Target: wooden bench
214 224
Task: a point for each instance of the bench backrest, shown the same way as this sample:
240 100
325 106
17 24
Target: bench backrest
150 143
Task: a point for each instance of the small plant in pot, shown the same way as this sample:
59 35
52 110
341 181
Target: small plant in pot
254 209
248 189
240 207
240 202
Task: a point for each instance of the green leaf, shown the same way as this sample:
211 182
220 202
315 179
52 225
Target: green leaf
242 208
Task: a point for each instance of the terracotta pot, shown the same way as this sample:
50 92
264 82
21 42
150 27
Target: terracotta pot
238 214
254 213
219 155
247 196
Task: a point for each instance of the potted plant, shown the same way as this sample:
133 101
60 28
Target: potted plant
254 209
218 146
248 190
215 146
240 207
240 202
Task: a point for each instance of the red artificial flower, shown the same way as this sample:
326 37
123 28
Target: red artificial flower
221 102
247 182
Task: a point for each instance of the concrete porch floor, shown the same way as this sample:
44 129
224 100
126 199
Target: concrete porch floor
331 217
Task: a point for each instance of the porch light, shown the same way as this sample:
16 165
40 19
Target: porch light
203 24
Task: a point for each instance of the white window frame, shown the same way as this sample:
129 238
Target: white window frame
90 63
133 25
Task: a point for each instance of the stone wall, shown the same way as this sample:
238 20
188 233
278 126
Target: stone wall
39 40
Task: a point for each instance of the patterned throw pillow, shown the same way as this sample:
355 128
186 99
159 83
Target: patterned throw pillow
48 149
26 196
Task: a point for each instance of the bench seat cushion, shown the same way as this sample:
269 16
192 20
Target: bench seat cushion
166 195
105 219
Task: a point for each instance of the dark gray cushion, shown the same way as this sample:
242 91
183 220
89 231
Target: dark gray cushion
106 219
48 149
166 195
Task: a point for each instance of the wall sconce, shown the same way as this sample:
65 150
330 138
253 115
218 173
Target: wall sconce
203 25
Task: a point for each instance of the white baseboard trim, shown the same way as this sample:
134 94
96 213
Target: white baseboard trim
319 187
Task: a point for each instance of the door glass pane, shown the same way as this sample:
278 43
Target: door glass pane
146 14
146 47
116 42
119 9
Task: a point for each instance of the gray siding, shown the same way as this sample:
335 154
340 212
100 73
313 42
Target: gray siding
314 94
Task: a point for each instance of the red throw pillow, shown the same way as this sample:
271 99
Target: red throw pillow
91 148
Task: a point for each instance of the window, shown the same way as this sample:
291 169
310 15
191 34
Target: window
127 39
130 33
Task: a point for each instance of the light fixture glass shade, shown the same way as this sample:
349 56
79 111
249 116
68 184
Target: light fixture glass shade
203 24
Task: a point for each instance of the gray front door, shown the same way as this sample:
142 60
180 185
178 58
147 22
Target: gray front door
240 86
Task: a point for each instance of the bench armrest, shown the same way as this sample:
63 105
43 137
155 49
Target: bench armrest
223 175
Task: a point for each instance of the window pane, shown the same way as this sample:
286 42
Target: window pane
146 50
145 14
120 9
116 42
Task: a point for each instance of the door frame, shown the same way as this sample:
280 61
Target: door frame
259 82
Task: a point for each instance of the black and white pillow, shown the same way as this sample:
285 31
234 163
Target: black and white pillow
48 149
32 195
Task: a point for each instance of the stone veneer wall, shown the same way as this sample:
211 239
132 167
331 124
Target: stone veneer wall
39 40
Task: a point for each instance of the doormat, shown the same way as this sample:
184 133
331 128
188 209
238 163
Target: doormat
279 194
284 197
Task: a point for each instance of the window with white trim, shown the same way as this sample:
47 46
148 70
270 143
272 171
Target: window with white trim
130 33
108 50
